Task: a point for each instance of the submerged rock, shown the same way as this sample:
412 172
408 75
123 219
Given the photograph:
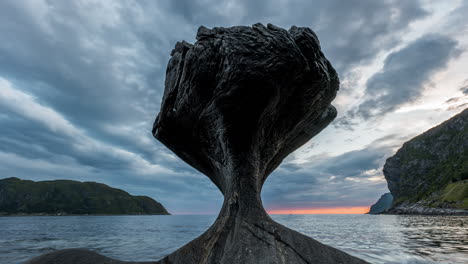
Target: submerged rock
235 104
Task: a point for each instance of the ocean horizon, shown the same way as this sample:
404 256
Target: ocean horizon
382 239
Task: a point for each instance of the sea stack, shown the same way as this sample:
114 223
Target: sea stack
236 103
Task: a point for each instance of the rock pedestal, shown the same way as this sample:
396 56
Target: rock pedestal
235 104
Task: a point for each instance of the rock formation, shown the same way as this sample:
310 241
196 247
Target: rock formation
429 173
235 104
383 204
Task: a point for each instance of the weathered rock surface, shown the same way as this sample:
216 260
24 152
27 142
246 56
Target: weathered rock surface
383 204
428 174
235 104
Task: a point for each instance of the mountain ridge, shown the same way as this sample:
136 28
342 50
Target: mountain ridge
69 197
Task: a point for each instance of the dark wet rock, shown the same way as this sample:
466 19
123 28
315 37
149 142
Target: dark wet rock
383 204
429 173
235 104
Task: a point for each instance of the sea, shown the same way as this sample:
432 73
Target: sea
389 239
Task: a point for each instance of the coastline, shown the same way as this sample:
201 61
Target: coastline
2 214
422 210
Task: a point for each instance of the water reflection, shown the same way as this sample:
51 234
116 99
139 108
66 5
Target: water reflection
389 239
442 238
378 239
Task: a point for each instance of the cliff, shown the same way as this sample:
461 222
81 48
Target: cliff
429 173
236 103
382 205
61 197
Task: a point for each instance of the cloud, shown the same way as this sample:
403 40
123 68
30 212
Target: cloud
83 148
351 179
464 88
404 74
81 83
39 143
25 105
351 32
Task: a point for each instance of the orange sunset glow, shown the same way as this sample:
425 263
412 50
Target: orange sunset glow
332 210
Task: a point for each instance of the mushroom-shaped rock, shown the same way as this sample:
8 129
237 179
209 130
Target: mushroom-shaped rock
235 104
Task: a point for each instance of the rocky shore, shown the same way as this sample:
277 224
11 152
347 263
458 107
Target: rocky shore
420 208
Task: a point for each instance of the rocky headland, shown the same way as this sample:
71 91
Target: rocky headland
383 204
66 197
236 103
429 173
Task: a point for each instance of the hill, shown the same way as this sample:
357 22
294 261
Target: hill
429 173
61 197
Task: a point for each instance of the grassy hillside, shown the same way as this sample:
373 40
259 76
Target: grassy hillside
456 193
71 197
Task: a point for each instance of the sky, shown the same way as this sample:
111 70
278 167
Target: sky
81 83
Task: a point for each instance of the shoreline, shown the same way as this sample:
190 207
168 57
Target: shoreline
422 210
431 214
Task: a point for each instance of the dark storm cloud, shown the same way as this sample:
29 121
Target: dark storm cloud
353 163
97 69
354 32
404 74
351 32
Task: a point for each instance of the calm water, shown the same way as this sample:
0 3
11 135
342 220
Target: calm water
377 239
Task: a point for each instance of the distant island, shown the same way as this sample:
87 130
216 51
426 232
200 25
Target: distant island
66 197
429 173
